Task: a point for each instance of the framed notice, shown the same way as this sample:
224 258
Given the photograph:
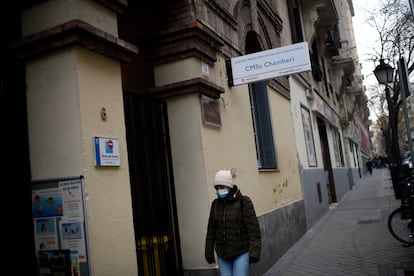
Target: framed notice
210 109
107 151
308 133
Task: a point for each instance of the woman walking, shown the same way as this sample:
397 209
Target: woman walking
233 230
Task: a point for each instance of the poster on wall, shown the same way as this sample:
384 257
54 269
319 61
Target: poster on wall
58 211
308 133
73 237
47 203
46 234
55 262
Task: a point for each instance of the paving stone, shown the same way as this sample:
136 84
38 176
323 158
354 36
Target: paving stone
352 238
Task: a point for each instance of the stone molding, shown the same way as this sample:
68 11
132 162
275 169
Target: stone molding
196 85
74 32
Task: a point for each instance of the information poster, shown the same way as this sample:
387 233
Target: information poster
59 223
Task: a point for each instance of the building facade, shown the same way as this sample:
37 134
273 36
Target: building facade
328 105
405 125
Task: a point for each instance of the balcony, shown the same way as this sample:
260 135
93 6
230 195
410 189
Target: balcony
355 88
326 10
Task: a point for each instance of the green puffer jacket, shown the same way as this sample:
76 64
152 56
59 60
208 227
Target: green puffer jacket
233 229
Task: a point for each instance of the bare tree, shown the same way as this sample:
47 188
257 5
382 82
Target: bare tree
393 22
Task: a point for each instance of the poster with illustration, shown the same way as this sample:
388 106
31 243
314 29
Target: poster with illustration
47 203
46 237
73 237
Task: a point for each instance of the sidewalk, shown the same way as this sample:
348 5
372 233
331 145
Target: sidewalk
352 238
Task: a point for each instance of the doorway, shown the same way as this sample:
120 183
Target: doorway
327 164
153 196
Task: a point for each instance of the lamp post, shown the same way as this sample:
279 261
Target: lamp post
384 74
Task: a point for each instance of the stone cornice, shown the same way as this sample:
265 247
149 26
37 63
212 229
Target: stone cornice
74 32
195 40
196 85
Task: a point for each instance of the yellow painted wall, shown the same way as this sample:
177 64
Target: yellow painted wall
109 206
188 160
66 91
199 150
298 99
54 116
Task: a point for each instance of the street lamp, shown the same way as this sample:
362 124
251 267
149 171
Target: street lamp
385 75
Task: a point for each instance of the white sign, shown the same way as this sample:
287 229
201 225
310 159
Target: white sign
107 152
272 63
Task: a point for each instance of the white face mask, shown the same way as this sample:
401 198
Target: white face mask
222 193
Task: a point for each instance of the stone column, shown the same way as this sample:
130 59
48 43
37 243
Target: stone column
74 92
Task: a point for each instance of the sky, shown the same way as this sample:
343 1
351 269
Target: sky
365 37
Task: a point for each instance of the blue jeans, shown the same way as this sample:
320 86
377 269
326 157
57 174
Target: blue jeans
237 267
